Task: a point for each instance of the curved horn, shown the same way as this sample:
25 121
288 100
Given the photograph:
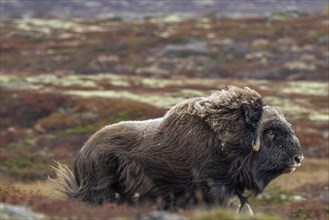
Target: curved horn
256 143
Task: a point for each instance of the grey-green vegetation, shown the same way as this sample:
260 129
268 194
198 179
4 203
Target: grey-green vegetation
167 92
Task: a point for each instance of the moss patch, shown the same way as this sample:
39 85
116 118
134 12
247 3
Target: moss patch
26 168
79 130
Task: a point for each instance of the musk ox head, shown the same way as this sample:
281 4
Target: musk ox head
243 123
220 147
276 146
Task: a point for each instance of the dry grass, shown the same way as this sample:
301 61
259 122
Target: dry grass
312 171
42 188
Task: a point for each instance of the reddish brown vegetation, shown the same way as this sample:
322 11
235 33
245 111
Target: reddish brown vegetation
59 208
23 108
38 128
123 48
316 206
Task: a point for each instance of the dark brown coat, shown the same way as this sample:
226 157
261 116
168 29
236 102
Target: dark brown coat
218 149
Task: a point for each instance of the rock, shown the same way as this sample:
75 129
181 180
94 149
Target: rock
236 50
295 49
193 48
308 48
283 197
11 130
273 73
324 195
305 48
298 65
260 43
10 212
108 59
38 128
323 39
254 56
261 57
297 198
164 34
211 36
162 215
227 41
174 18
307 58
104 61
325 54
153 70
86 116
204 26
264 61
287 41
151 59
220 42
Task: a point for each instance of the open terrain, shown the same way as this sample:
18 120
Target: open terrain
62 80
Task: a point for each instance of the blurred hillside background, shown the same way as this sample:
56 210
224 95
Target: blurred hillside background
70 67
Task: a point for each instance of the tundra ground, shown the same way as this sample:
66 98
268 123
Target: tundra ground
59 85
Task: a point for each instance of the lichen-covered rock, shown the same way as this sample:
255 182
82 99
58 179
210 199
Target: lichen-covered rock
8 211
163 215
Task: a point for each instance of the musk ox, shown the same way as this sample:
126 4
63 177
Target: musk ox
218 150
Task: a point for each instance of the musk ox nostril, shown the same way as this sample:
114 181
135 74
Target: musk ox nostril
298 159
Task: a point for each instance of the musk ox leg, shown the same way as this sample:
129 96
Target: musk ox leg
233 202
134 181
99 180
245 209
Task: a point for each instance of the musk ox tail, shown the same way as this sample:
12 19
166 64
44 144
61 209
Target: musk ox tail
65 181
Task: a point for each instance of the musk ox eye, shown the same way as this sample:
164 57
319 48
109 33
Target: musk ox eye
270 134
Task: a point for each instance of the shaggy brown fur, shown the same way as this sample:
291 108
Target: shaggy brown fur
202 150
